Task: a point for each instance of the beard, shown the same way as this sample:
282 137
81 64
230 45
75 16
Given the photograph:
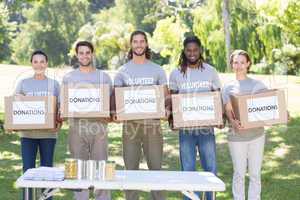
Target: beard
193 62
84 65
139 54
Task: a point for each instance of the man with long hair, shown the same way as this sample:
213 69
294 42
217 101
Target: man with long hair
141 135
194 76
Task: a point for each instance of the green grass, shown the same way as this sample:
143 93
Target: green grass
280 174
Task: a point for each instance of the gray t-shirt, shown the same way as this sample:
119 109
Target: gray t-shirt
149 73
34 87
195 80
246 86
94 77
131 74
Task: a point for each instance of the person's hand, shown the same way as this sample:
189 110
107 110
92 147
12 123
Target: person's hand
167 115
114 118
220 126
288 116
9 130
57 127
106 120
236 124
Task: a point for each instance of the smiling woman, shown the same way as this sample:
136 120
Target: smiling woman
246 146
33 141
39 62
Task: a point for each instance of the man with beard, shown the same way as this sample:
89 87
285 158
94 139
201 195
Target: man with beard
141 135
87 137
193 76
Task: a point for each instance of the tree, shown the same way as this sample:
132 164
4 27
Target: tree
109 31
226 19
51 26
137 12
7 30
168 37
209 28
290 22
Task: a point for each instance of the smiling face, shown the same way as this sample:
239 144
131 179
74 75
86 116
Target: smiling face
192 53
39 64
84 56
139 45
240 64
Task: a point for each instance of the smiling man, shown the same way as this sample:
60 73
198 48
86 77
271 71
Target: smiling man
87 137
141 135
194 75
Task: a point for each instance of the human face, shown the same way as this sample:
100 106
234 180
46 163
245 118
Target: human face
39 64
240 64
139 45
84 56
192 53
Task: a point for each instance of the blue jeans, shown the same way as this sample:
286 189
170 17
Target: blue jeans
29 148
204 141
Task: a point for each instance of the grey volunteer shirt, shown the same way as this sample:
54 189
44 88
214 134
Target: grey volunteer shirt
131 74
149 73
34 87
195 80
247 86
94 77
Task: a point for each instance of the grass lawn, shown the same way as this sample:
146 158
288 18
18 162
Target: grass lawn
280 175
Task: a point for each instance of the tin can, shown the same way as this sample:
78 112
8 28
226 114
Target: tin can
81 169
101 170
70 168
110 171
91 169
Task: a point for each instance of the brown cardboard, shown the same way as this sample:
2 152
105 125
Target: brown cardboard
47 110
184 108
96 93
153 106
272 109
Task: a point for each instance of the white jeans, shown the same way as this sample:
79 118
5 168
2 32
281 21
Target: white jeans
243 154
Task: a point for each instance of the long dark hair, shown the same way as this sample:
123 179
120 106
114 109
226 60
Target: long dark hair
148 50
183 62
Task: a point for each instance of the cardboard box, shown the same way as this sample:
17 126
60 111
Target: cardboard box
261 109
85 101
197 109
140 102
30 112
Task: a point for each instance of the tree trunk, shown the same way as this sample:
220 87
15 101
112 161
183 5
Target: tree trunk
226 18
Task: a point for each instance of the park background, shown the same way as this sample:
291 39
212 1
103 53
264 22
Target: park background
268 29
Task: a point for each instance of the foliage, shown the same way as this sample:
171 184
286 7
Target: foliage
110 33
265 29
7 30
51 26
168 37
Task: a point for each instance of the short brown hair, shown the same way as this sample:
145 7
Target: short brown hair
242 53
84 43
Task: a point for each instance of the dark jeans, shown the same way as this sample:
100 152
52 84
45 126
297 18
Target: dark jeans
203 141
29 148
